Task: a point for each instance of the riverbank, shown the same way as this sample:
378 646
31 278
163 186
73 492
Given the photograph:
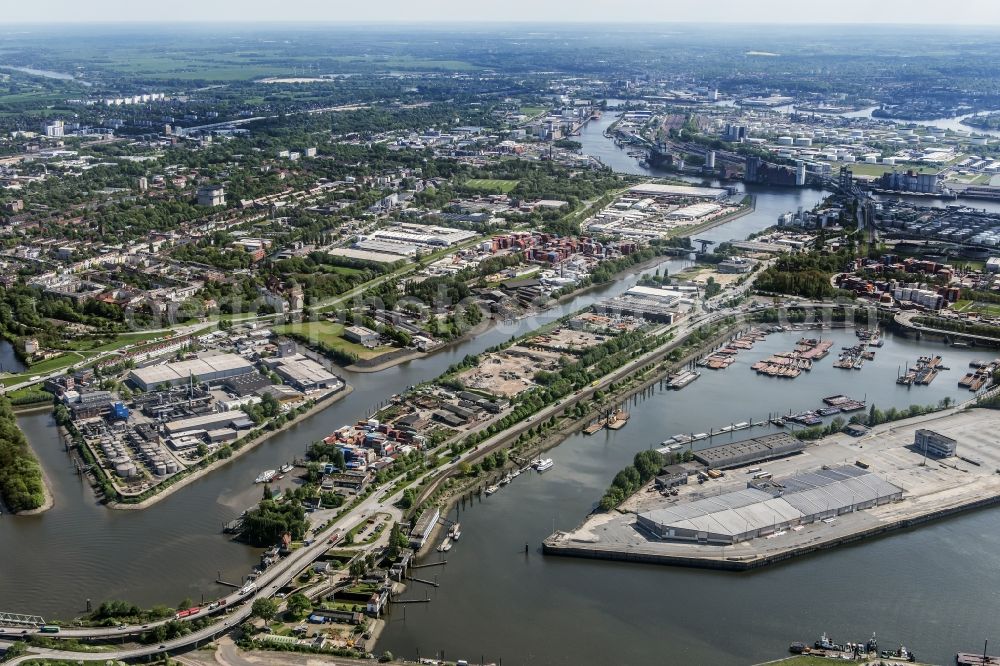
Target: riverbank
931 489
395 359
49 500
249 446
33 408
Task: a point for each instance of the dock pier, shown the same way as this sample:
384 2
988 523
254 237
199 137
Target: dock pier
425 582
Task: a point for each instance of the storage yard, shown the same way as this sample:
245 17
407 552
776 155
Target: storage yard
660 211
836 491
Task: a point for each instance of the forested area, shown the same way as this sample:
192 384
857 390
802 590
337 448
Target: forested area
263 525
26 311
21 484
805 275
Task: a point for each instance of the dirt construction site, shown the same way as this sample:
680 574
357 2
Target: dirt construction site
509 372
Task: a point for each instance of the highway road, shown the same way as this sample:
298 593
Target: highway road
268 583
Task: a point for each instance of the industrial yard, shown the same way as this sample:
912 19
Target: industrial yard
659 211
835 491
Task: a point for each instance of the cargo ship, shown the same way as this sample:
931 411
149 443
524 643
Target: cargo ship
682 379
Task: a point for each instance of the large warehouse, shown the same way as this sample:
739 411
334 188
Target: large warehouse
686 191
765 507
207 369
747 451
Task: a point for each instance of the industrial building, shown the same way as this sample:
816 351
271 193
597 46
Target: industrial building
361 335
766 507
934 444
649 303
424 526
236 419
304 373
206 369
659 190
748 451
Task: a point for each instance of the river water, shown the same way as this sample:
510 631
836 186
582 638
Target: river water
499 602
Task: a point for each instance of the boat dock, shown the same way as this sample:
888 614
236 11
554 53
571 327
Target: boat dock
976 659
613 421
923 373
725 356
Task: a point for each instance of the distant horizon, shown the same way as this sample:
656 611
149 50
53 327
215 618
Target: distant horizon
972 13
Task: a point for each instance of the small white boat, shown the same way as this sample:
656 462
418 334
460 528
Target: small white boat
492 489
285 469
266 477
700 436
455 532
543 464
445 545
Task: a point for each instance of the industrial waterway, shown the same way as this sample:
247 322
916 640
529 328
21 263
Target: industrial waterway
930 588
497 601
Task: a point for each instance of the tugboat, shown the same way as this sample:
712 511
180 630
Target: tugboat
825 643
901 653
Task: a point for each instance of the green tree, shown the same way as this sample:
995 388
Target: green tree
264 608
299 605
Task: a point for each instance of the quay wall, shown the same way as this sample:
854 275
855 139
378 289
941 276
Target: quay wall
553 546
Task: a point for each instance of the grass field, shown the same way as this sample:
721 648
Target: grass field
532 111
492 184
329 333
990 309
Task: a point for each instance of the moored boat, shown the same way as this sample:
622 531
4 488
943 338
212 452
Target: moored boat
266 476
543 464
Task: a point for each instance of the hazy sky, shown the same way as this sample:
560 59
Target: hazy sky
972 12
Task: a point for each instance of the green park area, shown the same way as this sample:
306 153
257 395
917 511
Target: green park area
77 351
988 309
329 334
492 184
